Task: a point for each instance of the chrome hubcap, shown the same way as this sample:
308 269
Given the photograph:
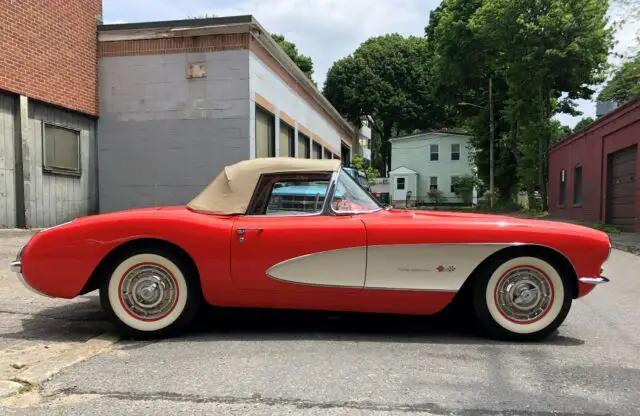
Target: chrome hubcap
149 291
524 294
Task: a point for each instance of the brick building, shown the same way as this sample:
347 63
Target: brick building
593 173
48 110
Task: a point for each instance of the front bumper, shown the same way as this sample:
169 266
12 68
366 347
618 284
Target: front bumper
594 280
16 267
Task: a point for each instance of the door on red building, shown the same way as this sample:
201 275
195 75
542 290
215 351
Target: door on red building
621 189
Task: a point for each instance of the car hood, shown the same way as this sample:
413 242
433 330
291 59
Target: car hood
492 221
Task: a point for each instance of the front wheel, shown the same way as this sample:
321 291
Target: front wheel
523 298
150 293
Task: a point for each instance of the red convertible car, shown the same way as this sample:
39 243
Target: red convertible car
245 242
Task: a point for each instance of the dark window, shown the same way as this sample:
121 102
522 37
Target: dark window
454 183
265 134
434 152
577 186
433 182
400 182
317 151
455 151
287 140
61 150
304 150
563 187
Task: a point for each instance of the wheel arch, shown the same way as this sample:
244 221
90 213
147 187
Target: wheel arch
107 261
549 254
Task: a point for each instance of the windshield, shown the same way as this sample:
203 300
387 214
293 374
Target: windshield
350 197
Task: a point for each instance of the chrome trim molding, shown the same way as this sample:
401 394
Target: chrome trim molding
594 280
16 266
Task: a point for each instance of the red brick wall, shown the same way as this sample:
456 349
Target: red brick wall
48 51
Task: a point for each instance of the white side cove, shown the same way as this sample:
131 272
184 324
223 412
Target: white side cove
342 268
437 267
429 267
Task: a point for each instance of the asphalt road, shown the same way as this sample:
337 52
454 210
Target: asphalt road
280 363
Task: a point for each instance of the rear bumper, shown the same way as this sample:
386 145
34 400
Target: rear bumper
593 280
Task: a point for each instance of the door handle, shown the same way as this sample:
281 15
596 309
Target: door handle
242 231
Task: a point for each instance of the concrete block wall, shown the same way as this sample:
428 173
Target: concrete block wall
162 137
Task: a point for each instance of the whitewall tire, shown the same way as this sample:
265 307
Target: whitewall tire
522 298
150 293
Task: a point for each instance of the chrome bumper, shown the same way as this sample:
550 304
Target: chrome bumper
593 280
16 267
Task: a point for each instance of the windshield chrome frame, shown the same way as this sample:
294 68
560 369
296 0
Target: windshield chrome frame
332 189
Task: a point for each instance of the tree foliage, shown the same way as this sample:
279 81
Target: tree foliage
541 55
583 123
359 163
625 83
305 63
386 78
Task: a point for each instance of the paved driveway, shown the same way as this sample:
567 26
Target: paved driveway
256 362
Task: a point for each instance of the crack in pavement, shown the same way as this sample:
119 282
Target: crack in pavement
305 403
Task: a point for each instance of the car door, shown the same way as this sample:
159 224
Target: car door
295 248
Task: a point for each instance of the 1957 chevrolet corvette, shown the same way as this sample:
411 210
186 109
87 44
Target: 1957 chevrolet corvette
328 245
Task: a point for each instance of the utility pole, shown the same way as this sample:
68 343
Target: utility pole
491 134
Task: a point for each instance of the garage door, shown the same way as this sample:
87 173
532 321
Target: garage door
621 190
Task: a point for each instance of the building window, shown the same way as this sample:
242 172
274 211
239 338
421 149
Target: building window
265 134
433 183
304 152
563 187
287 140
400 183
317 151
454 180
434 152
61 150
455 151
577 185
327 154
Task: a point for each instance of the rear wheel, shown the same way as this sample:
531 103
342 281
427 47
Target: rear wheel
150 293
523 298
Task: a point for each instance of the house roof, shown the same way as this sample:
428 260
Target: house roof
223 25
401 170
431 134
231 191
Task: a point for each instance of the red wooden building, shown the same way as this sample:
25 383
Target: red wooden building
593 173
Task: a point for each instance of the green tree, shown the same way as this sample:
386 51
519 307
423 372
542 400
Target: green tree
386 78
583 124
546 49
360 164
464 186
305 63
462 63
625 83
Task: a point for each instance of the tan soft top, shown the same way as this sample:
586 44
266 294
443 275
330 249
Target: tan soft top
230 192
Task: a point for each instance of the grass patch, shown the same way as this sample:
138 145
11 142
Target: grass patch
609 229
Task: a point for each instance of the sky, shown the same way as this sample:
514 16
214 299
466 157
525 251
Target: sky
326 30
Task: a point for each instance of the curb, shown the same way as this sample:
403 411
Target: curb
43 371
626 248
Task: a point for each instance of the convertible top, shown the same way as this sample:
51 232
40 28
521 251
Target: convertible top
231 191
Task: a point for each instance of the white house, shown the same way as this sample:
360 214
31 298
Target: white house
425 161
